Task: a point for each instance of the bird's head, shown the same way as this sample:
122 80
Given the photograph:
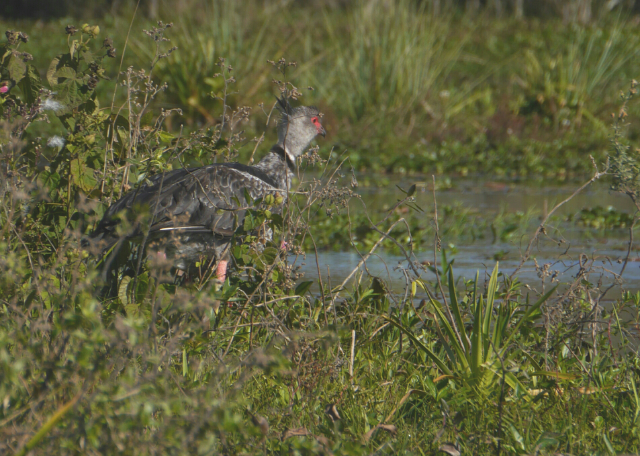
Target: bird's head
298 127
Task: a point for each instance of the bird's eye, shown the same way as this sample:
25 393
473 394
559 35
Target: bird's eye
314 120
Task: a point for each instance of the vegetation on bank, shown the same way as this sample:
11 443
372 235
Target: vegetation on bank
402 90
260 364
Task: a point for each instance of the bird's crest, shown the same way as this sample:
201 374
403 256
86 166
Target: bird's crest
283 105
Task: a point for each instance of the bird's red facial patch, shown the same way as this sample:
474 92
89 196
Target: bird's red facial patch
317 123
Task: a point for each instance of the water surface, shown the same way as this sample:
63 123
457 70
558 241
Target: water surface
489 198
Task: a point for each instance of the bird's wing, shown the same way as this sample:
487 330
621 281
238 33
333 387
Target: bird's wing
210 198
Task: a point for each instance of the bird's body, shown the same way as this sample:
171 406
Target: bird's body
193 213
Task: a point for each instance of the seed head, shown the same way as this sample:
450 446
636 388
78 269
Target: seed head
12 36
56 141
51 105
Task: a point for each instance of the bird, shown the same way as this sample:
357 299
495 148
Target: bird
194 212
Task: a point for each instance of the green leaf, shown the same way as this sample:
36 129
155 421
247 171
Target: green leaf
142 287
65 73
270 254
17 69
249 223
636 397
551 374
134 161
122 290
453 340
418 343
546 440
31 84
68 121
488 313
501 324
516 436
185 365
71 94
608 444
82 176
114 123
303 287
476 337
59 62
51 71
87 55
166 137
535 364
456 311
74 47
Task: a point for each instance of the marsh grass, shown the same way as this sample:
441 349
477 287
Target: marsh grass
389 61
431 93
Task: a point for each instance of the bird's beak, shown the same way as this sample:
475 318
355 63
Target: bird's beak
323 132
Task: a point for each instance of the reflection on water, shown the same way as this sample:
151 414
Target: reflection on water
608 247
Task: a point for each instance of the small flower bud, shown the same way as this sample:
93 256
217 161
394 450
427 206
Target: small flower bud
94 67
92 83
23 37
108 42
71 30
111 53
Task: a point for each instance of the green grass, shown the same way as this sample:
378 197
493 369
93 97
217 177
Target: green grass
179 383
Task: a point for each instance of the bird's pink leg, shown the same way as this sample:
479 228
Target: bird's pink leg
221 270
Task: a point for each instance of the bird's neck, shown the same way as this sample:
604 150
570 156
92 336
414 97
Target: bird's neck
278 165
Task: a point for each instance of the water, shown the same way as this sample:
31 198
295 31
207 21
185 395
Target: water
493 196
607 247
